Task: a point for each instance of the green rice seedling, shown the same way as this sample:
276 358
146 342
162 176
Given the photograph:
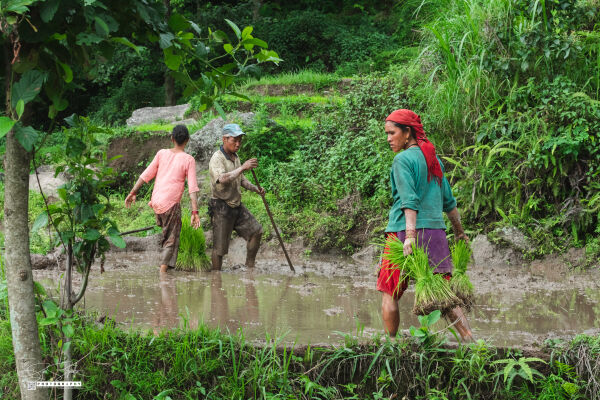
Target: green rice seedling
432 291
192 247
460 283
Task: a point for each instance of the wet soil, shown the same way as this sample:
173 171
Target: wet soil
137 152
331 295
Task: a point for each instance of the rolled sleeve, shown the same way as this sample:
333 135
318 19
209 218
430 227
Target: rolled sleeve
406 184
216 169
150 171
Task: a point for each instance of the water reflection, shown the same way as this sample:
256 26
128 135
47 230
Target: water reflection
312 308
167 313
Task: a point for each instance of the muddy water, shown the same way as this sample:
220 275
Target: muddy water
513 306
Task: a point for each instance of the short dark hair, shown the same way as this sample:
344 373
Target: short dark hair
405 127
180 133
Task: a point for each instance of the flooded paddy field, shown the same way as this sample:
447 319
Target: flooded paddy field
331 296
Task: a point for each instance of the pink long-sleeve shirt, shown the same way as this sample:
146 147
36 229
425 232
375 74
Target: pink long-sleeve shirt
170 169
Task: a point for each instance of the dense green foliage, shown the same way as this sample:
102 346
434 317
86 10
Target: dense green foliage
508 92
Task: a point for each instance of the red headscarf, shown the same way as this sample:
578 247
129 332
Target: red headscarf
408 117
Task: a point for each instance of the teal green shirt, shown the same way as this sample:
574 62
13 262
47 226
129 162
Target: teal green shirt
410 189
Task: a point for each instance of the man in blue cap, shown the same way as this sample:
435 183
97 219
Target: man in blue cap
225 205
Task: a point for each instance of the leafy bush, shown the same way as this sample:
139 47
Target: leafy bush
128 82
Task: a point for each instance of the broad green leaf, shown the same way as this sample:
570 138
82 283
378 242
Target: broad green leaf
220 36
117 241
91 234
48 9
246 32
26 135
59 36
178 22
74 147
101 27
220 110
28 87
50 307
18 6
72 120
126 42
255 41
68 76
172 61
87 39
66 346
235 28
40 222
201 50
68 330
228 48
166 40
434 317
48 321
6 125
241 96
20 108
62 193
60 104
196 28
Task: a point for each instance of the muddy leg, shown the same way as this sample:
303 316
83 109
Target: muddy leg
459 319
390 314
217 261
163 268
252 249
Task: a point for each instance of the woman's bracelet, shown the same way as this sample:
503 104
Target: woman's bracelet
194 212
411 233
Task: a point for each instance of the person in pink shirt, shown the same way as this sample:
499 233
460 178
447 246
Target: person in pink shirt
170 167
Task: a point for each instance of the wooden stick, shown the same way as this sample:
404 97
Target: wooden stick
274 226
136 230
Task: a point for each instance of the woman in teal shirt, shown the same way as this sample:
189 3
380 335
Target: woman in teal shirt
421 195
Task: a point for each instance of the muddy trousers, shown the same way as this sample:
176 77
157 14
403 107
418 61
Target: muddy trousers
170 222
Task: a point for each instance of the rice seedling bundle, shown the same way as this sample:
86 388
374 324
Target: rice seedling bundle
460 283
192 247
432 291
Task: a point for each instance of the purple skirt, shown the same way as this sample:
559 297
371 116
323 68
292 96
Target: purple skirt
435 243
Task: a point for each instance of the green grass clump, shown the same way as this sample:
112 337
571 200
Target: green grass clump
460 283
192 248
432 291
304 77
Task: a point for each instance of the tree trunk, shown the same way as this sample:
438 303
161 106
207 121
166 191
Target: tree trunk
68 305
169 80
257 4
169 90
21 300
